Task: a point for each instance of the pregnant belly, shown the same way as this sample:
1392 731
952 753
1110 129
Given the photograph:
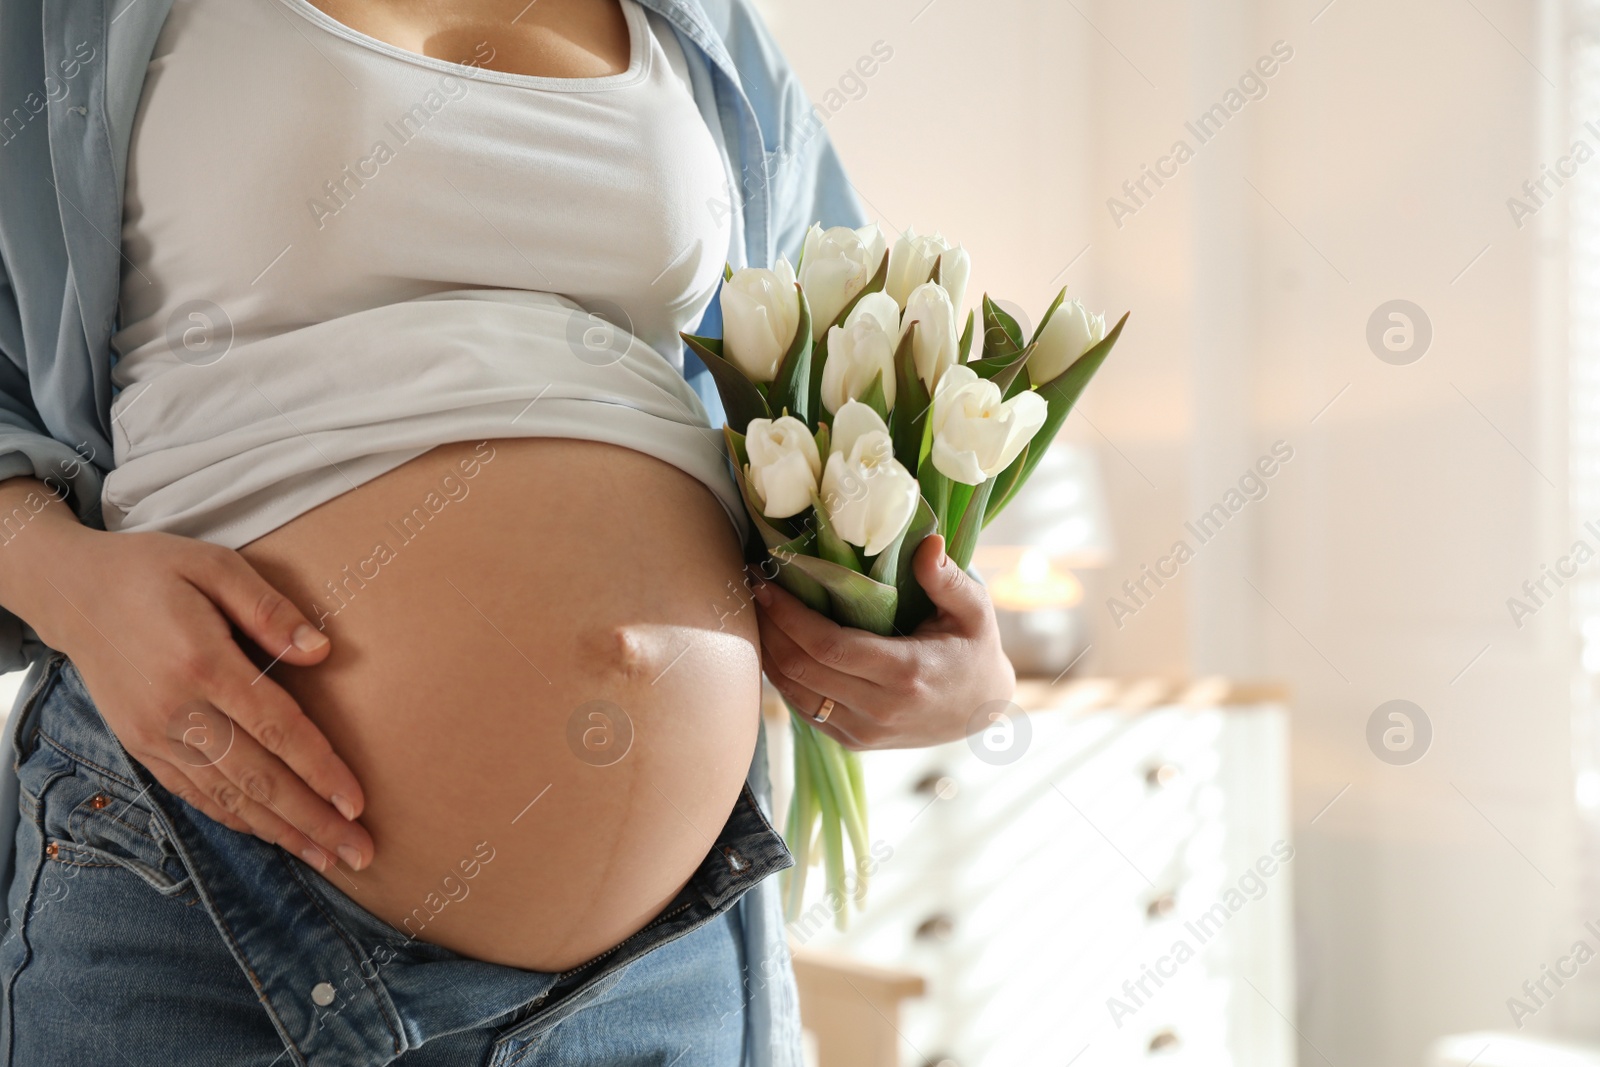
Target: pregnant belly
541 678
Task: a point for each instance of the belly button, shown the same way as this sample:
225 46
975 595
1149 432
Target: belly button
628 652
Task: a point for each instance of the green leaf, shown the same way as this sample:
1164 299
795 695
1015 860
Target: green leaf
856 600
993 365
1060 299
913 606
830 546
1009 376
925 446
1005 481
892 566
935 492
736 447
874 398
823 438
875 284
960 493
806 589
1060 394
1003 350
727 271
812 593
1018 384
819 360
740 398
1002 336
965 539
1010 379
791 388
910 403
966 339
913 610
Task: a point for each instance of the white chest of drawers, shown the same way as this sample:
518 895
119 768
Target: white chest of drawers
1119 894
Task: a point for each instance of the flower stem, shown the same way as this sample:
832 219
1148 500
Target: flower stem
833 839
837 772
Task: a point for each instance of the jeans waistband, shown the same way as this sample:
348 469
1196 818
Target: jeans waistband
343 987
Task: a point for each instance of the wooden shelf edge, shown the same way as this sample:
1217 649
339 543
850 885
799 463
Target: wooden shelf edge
869 979
1141 694
1132 695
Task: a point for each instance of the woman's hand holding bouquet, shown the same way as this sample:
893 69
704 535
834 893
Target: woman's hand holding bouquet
861 421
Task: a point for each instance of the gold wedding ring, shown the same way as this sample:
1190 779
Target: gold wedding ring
823 712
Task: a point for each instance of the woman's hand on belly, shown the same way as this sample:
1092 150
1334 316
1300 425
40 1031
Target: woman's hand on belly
891 692
145 618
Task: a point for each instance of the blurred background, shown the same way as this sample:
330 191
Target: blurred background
1361 245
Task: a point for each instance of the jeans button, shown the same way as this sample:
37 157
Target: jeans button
322 994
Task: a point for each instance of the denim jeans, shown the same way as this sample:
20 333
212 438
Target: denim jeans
141 932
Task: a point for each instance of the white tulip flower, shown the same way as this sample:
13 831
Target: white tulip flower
851 422
976 435
784 465
1071 332
868 494
859 350
760 312
953 275
835 266
937 346
911 263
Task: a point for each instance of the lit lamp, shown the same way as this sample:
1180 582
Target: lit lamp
1056 526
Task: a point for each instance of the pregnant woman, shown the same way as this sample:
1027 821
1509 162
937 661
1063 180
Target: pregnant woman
391 700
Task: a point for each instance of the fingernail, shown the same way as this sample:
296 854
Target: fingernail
944 560
308 639
347 809
350 856
315 857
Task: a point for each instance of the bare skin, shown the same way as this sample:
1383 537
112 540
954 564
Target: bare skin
545 38
559 574
436 703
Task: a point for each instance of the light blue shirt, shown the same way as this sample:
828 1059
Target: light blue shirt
71 72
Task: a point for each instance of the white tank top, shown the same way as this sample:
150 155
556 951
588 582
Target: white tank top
339 254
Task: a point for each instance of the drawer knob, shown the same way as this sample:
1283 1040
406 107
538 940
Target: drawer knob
1163 1040
1160 774
938 927
1161 906
937 784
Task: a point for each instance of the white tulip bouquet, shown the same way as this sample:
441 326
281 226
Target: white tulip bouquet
860 422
